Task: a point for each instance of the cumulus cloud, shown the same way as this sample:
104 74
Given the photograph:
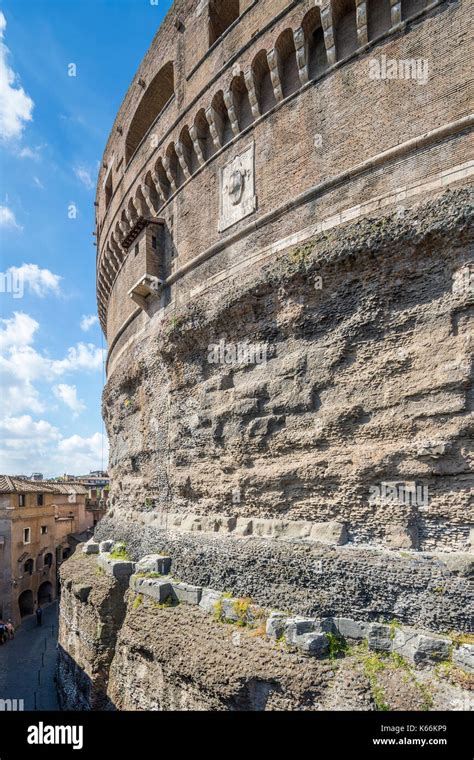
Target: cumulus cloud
39 281
22 365
16 107
27 445
88 321
84 176
7 218
68 395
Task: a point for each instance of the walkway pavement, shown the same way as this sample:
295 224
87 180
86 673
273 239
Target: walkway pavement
28 662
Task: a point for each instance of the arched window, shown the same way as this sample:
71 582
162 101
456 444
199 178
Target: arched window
345 26
378 17
316 48
203 135
48 560
410 7
222 121
222 13
241 101
156 96
28 567
289 75
263 82
187 151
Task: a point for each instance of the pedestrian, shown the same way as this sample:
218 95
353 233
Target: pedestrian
39 614
3 632
10 629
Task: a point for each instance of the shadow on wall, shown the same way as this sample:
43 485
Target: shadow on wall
76 691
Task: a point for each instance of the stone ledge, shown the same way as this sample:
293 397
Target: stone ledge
118 568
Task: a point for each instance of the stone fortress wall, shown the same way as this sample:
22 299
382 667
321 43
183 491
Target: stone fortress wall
283 196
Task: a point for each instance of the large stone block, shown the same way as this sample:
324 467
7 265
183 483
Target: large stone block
419 647
161 590
351 629
315 644
275 626
297 626
185 592
463 656
154 563
106 546
91 547
379 637
209 598
118 568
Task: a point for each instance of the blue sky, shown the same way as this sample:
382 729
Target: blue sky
53 129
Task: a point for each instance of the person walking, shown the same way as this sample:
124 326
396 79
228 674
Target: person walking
39 615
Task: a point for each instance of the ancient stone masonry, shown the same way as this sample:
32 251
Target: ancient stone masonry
284 279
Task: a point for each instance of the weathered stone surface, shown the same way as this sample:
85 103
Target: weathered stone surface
161 590
119 568
186 592
379 637
106 546
154 563
420 648
329 533
298 626
81 591
91 547
351 629
209 599
316 644
275 625
463 656
402 537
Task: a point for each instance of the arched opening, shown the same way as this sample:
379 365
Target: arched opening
48 560
345 27
157 95
25 603
165 185
174 166
203 135
187 150
152 192
316 48
263 82
28 567
410 7
241 101
45 593
223 124
222 13
289 75
379 18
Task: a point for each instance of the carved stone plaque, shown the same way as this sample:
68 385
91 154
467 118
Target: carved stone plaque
237 182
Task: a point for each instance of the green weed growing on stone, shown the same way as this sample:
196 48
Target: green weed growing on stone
337 645
137 601
119 552
241 608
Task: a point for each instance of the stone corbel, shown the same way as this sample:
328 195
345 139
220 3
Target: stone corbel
328 29
301 55
197 145
156 181
123 227
250 84
113 258
129 216
167 167
396 12
215 125
182 162
361 17
273 62
230 105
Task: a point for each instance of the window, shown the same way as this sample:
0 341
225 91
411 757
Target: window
21 499
48 560
44 530
28 567
39 499
157 94
27 535
222 13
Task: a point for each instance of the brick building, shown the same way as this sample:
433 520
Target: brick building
38 522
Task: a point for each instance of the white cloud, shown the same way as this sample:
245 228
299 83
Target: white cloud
33 153
21 365
88 321
7 218
38 183
16 107
26 446
84 176
39 281
68 395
